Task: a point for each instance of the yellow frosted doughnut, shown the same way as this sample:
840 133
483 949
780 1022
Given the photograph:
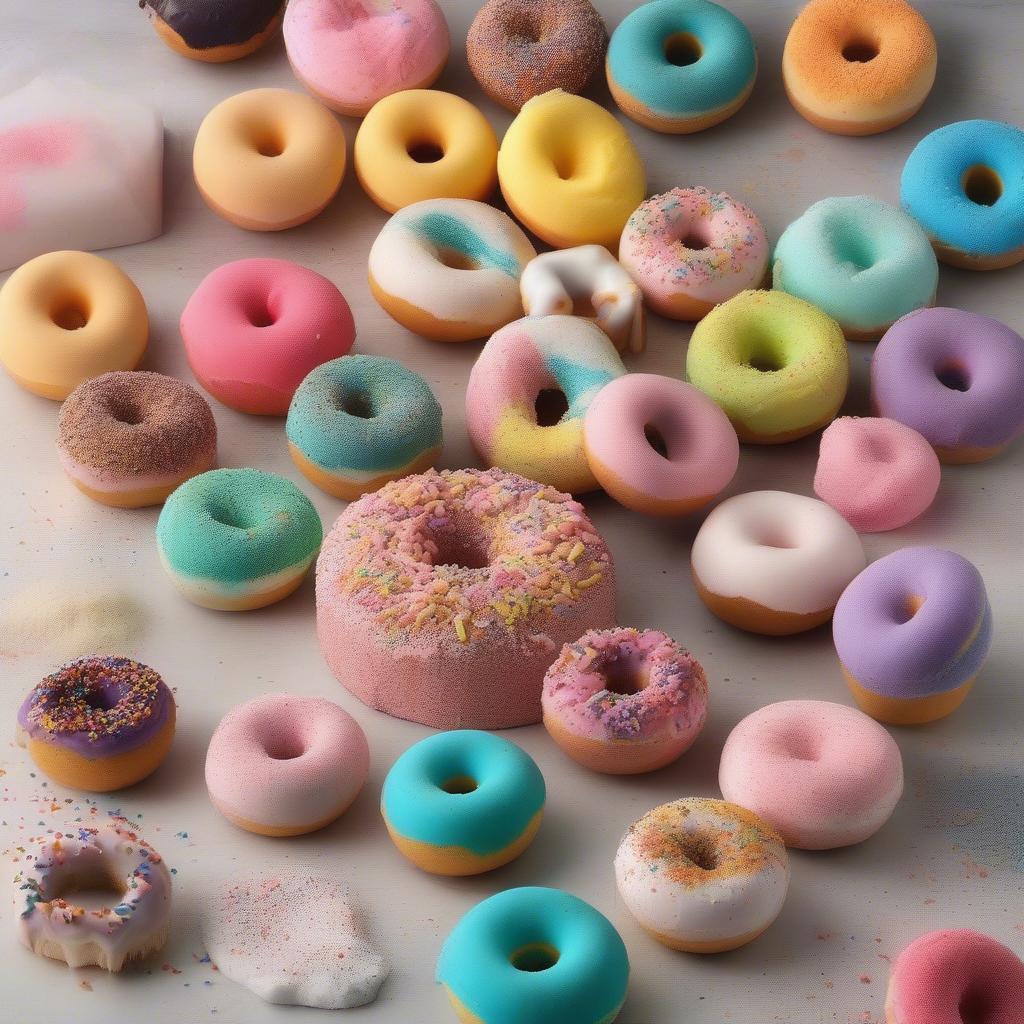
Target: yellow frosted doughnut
269 159
424 144
569 171
66 317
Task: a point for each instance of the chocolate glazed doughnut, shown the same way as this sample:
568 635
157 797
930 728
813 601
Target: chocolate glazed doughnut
214 31
518 49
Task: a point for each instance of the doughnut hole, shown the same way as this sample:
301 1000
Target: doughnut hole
460 542
700 850
764 352
982 185
85 882
534 958
975 1006
550 406
425 151
953 376
460 785
799 745
284 746
860 51
682 49
123 409
354 402
625 676
259 313
70 312
268 140
455 260
656 439
695 238
772 535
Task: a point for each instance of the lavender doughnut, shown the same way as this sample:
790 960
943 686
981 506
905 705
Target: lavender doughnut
955 377
912 631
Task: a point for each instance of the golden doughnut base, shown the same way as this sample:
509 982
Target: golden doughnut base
907 710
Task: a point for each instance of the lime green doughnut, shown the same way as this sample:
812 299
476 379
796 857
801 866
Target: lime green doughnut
776 365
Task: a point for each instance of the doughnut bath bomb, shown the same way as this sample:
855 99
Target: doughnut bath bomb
877 473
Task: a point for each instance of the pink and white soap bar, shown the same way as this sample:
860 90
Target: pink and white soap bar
80 168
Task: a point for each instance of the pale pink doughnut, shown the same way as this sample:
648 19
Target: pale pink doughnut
659 445
822 775
283 765
351 53
877 473
254 328
690 249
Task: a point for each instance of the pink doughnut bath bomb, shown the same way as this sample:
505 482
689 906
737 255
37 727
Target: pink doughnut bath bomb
284 765
877 473
254 329
352 53
956 977
659 445
822 775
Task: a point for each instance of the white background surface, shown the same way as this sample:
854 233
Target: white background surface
952 856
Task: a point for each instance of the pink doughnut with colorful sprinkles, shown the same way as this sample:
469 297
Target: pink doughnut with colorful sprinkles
690 249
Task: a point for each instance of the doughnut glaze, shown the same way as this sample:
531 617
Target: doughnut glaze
463 802
214 31
690 249
254 328
528 393
912 632
131 437
774 563
703 876
518 49
822 775
659 445
956 377
622 701
285 765
861 261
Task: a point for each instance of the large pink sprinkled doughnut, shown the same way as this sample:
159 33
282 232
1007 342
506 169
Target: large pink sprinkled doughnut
284 765
690 249
659 445
956 977
254 328
822 775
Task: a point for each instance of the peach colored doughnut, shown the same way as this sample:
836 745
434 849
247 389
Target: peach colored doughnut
284 765
878 474
254 328
822 775
659 445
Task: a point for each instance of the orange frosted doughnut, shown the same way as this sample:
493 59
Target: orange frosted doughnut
858 67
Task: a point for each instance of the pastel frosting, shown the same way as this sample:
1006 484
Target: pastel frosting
213 23
863 262
496 963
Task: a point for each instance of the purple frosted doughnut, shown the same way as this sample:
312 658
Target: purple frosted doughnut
912 631
956 378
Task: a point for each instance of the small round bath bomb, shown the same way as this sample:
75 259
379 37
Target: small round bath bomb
878 474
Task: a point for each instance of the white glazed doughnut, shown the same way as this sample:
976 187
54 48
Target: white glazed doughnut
774 563
81 858
702 875
587 281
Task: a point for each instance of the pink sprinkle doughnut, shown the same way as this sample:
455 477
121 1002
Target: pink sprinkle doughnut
351 53
822 775
690 249
623 702
284 765
254 328
878 474
659 445
952 977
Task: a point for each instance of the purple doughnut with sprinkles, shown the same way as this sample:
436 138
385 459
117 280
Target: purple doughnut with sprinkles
912 632
956 378
621 701
690 249
98 723
443 597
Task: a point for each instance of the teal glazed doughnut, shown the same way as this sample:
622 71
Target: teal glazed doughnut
680 66
463 802
964 183
534 956
358 422
236 539
863 262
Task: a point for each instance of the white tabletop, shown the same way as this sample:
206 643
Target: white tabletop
953 854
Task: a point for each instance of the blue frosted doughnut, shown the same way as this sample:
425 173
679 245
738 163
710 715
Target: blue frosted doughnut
863 262
358 422
534 956
964 183
463 802
680 66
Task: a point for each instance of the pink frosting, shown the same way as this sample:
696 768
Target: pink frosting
254 328
623 684
286 761
822 775
701 445
877 473
352 53
949 977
